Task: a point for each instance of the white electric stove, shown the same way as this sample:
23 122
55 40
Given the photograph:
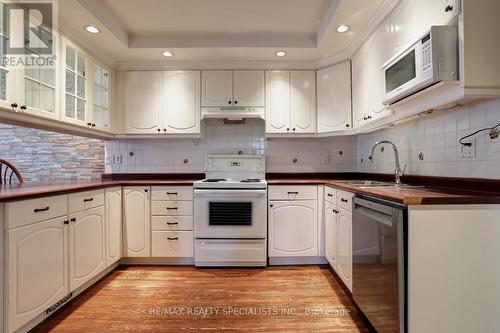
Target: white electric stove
230 212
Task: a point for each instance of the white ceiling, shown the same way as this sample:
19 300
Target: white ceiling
204 31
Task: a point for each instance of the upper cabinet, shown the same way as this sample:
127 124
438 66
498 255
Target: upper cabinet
334 98
7 74
162 102
368 78
290 102
238 88
99 112
143 104
182 102
75 84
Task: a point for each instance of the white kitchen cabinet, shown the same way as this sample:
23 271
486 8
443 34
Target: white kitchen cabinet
303 101
334 98
293 227
238 88
331 234
143 102
278 102
410 19
75 83
7 74
137 221
344 257
182 111
37 269
101 97
172 244
86 246
217 88
113 225
368 77
248 88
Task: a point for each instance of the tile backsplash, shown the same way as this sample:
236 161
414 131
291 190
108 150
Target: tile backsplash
43 155
187 155
436 137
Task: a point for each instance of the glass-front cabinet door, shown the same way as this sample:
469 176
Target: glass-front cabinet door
7 80
76 84
38 84
100 115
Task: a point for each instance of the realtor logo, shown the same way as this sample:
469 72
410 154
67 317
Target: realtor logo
27 31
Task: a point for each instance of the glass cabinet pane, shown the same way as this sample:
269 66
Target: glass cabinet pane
97 94
32 93
3 84
70 82
81 86
48 76
80 109
70 57
48 99
97 74
105 98
105 78
81 64
70 106
32 72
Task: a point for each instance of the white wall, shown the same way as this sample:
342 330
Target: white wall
437 137
167 155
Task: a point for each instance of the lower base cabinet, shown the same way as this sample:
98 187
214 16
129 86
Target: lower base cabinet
175 244
345 247
37 269
331 235
113 225
86 246
137 221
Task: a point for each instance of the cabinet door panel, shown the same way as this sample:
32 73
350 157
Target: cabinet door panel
303 101
182 102
345 247
217 88
143 105
334 98
278 101
331 236
249 88
86 250
113 225
293 229
37 261
137 222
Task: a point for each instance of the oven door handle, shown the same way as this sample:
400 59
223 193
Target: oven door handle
230 193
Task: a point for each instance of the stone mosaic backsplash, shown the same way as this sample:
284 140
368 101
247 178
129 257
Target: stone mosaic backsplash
41 155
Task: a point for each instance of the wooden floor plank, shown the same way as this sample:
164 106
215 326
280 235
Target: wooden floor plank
172 299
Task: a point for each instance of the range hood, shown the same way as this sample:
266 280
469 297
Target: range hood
233 112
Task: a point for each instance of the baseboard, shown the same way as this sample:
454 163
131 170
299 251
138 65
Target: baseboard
297 261
157 261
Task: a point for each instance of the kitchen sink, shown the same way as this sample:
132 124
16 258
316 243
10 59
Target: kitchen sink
371 183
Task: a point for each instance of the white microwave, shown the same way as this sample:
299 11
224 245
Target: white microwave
431 59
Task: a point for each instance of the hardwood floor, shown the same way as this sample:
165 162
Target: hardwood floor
168 299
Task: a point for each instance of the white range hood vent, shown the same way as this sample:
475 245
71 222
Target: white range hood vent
233 113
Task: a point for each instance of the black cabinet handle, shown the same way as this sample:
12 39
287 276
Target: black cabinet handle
172 208
172 193
13 105
37 210
159 130
344 200
369 117
293 192
329 194
235 102
288 130
165 130
335 211
66 222
271 205
146 190
73 220
347 125
88 200
293 129
172 238
23 107
93 125
229 102
89 124
172 223
448 8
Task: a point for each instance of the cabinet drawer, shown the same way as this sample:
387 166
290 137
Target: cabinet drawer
85 200
172 208
293 192
331 195
166 223
25 212
174 193
233 252
172 243
344 200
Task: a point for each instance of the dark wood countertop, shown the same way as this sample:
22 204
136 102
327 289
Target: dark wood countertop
408 195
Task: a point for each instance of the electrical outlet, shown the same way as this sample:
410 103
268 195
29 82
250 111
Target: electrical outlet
468 151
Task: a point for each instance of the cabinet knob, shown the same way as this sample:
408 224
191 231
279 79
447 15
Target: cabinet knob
364 118
229 102
165 130
73 220
146 190
89 124
23 107
93 125
330 195
159 130
347 125
66 222
271 205
369 117
293 129
235 102
448 8
13 105
344 200
288 130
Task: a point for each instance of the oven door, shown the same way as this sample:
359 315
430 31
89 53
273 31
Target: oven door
231 213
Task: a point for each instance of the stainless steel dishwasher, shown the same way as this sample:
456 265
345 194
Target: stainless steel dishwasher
379 262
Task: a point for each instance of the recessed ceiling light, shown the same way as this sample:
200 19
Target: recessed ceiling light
342 28
280 53
92 29
167 54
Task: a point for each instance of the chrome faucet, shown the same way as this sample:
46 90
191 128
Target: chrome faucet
398 173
